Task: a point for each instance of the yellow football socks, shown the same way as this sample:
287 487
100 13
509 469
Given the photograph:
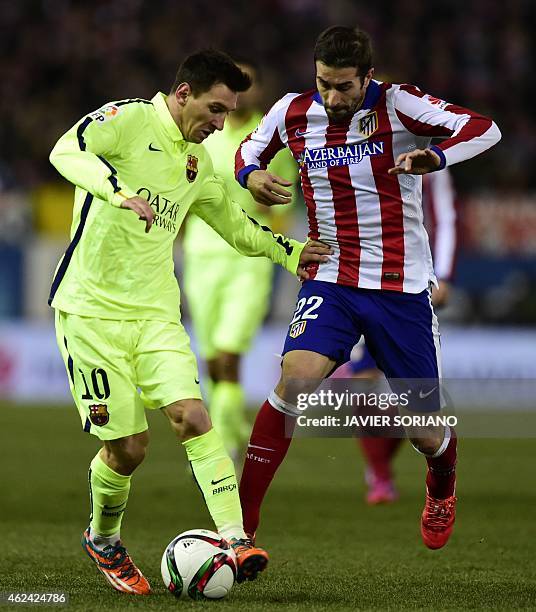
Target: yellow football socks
108 492
215 475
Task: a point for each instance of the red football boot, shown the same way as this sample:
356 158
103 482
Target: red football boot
437 520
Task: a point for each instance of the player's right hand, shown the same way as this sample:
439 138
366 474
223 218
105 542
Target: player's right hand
313 252
440 295
267 188
142 208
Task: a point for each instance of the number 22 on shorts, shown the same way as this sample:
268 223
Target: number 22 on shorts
313 302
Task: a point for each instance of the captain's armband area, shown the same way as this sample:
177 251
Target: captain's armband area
119 197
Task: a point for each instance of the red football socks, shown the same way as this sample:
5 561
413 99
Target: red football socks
379 453
267 448
441 477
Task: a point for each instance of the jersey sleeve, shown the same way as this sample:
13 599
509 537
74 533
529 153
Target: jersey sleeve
82 154
242 232
441 205
466 133
258 148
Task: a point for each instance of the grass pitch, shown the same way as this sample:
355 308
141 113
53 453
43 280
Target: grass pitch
329 551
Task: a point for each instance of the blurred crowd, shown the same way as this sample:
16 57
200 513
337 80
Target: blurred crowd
62 58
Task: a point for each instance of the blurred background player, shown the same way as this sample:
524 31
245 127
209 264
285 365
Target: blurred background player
229 294
439 208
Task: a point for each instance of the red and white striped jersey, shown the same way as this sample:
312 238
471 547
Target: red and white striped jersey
440 220
372 220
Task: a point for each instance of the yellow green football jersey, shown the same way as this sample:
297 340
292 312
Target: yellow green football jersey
222 146
112 269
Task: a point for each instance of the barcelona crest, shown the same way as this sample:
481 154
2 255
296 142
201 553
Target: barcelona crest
297 329
98 414
368 124
191 168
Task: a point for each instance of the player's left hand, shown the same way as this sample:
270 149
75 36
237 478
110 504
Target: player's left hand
313 252
420 161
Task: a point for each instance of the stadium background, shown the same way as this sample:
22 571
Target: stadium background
61 59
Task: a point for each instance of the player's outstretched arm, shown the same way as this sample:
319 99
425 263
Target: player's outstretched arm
465 132
313 252
267 188
250 238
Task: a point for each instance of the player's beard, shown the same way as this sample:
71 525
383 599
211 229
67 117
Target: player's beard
343 113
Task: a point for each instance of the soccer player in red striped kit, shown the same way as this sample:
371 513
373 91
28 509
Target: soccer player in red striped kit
361 146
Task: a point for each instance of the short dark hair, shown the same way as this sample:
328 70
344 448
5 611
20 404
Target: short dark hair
206 68
341 47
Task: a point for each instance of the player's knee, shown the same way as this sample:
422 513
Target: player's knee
125 454
228 366
428 445
301 372
189 418
293 369
213 370
306 365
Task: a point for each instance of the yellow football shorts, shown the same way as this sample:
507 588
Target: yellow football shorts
118 368
228 298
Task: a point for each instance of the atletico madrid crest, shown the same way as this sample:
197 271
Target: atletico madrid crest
191 168
368 124
297 329
98 414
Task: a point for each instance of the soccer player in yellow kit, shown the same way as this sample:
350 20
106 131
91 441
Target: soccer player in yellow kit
117 299
228 293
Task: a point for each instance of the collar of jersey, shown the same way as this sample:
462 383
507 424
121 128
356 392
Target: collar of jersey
371 97
162 111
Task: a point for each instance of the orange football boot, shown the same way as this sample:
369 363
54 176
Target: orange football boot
250 560
117 566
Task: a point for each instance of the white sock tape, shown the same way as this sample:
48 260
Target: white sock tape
444 444
283 406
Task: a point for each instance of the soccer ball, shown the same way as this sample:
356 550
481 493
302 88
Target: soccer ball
199 564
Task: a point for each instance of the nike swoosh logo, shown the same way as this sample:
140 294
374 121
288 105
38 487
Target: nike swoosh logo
300 133
215 482
425 395
196 381
113 507
151 148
